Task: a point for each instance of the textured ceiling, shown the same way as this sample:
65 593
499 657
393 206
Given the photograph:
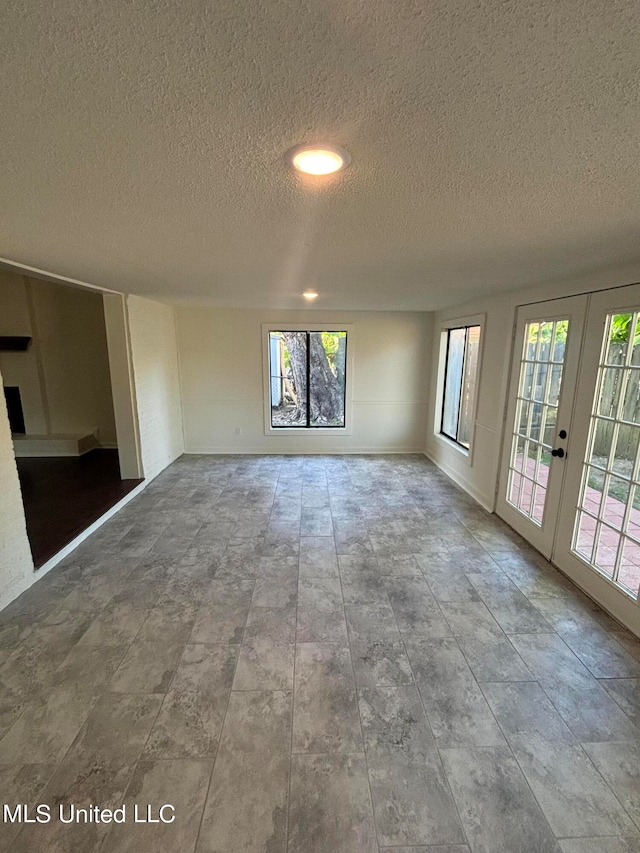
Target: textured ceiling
494 145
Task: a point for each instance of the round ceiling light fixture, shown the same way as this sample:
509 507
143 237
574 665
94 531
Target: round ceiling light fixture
318 159
310 295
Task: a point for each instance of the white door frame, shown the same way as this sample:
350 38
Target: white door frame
123 388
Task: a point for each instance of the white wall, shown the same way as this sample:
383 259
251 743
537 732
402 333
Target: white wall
221 364
16 565
21 368
64 378
152 331
73 349
478 474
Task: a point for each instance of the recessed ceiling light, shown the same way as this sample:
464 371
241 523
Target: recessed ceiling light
310 295
318 159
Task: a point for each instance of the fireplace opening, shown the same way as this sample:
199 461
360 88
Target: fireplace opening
14 408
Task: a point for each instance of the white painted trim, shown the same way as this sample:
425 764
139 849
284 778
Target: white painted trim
453 444
180 378
460 322
53 454
607 595
452 474
49 446
445 326
123 387
71 546
35 272
440 368
11 593
361 451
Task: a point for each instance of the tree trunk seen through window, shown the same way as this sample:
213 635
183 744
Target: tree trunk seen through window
327 398
296 344
318 358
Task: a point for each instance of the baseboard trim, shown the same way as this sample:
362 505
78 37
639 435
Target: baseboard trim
466 487
71 546
362 451
52 447
16 589
34 575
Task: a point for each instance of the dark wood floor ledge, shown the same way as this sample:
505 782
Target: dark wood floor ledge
64 495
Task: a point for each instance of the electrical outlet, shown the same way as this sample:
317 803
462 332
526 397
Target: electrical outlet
238 430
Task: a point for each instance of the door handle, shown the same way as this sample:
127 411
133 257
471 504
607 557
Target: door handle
559 452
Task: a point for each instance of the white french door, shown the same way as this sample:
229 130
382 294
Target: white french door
546 357
570 479
598 538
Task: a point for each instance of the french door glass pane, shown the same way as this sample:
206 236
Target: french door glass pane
585 537
453 380
628 573
607 527
535 420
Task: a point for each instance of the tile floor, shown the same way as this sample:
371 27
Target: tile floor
318 655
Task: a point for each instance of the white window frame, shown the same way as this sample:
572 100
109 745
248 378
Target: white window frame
347 429
445 327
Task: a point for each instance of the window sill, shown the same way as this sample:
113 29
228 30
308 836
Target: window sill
453 444
307 431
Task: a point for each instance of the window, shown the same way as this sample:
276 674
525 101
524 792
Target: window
307 379
461 347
